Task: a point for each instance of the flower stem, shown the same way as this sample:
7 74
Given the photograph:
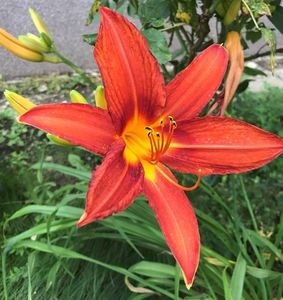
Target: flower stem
77 69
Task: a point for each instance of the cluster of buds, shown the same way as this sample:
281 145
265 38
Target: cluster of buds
30 47
21 105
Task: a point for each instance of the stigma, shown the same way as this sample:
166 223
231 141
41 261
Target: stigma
160 139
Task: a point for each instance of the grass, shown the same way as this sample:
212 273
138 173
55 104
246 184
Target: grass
125 256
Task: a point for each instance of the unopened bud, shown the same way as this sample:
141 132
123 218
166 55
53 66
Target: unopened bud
100 97
76 97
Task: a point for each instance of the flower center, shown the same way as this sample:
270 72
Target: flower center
148 142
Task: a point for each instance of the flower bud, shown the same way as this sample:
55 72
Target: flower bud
76 97
100 97
33 42
232 12
18 48
38 23
58 141
21 105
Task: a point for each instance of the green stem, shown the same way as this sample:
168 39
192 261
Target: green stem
172 27
251 13
248 203
77 69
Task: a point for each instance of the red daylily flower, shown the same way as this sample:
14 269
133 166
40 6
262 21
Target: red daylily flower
147 125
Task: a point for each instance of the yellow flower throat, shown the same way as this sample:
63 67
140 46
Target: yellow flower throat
148 143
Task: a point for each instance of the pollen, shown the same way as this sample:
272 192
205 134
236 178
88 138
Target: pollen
160 139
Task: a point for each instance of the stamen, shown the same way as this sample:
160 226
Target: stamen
162 132
158 146
171 129
172 181
160 141
151 146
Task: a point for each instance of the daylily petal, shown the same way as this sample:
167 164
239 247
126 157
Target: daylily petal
131 76
218 145
113 187
80 124
191 89
176 218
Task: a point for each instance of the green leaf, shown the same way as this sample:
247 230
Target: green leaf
157 23
270 38
51 277
153 9
158 45
238 278
82 175
243 86
63 211
253 36
263 242
226 286
153 269
263 273
40 229
90 38
259 7
76 161
68 253
93 11
253 71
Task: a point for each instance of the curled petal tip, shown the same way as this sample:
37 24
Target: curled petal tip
188 283
82 221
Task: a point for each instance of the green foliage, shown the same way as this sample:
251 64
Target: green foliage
43 187
189 25
158 45
125 256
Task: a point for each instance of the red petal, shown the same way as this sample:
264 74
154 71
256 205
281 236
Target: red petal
217 145
132 79
177 220
191 89
80 124
113 187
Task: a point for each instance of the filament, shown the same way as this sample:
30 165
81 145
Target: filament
160 141
185 188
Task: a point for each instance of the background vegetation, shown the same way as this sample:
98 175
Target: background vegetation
43 186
